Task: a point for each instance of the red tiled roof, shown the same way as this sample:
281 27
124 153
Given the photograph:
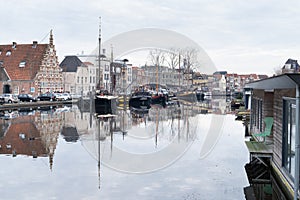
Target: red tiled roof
23 125
23 52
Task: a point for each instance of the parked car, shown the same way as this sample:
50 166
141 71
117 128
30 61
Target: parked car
10 98
47 97
2 100
26 97
10 115
63 96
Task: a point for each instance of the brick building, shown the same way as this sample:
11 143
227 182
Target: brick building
29 68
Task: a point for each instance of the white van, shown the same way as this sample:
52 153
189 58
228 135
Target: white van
10 98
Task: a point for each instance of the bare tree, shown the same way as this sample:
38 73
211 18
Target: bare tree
157 57
278 70
172 58
190 58
190 62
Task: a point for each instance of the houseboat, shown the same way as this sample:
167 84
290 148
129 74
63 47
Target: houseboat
274 144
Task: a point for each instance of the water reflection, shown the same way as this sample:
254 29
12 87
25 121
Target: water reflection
165 140
139 135
34 132
30 132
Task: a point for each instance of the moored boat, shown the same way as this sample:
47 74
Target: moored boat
159 98
105 103
140 98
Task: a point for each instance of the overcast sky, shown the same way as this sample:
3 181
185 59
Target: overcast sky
240 36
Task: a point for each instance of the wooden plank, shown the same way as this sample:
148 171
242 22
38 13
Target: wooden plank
258 147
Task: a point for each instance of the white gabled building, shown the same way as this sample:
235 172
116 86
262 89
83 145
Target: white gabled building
75 76
92 80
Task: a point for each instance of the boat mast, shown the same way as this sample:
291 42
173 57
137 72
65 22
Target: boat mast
179 69
99 53
157 73
112 71
99 162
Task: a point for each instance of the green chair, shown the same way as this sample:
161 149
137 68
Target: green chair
268 128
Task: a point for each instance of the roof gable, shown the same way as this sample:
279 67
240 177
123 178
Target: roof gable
12 55
291 64
283 81
70 64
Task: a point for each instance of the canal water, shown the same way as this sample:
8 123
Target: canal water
175 152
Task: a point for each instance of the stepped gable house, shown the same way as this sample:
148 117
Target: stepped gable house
29 68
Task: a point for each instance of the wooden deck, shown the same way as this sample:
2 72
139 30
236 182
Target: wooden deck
259 147
258 169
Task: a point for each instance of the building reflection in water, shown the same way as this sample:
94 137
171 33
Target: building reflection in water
142 131
35 132
105 137
30 132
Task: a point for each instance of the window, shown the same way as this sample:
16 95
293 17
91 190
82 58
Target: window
22 64
289 134
256 115
106 68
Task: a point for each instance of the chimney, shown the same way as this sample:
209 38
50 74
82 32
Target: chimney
34 44
14 45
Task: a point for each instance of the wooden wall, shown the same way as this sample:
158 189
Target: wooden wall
277 126
267 108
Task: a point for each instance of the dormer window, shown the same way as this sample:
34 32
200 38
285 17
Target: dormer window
22 64
34 44
14 46
8 53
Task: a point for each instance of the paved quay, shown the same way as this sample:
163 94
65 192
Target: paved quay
15 106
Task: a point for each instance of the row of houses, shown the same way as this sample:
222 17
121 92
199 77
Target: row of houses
223 83
34 68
